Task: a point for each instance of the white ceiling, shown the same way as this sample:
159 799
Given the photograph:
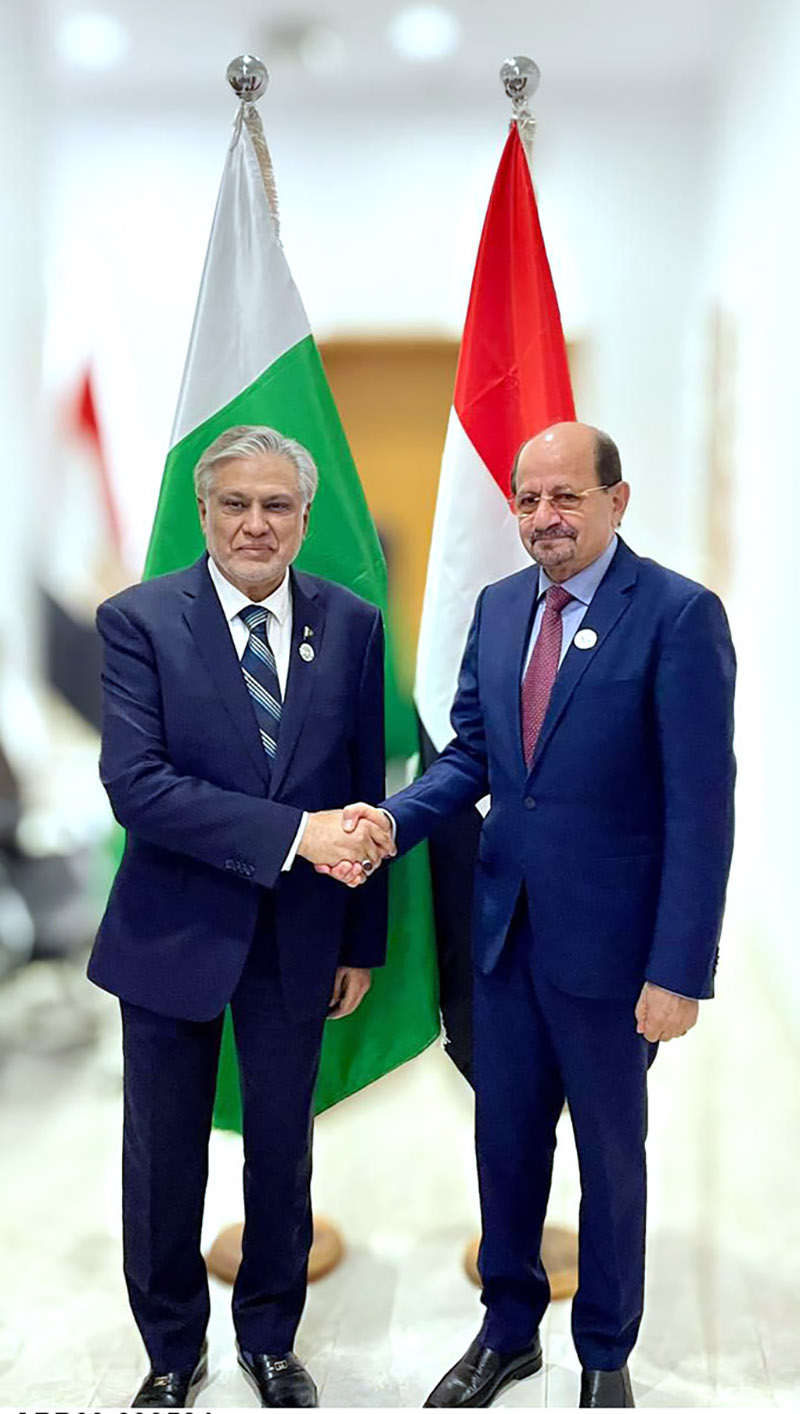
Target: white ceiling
179 48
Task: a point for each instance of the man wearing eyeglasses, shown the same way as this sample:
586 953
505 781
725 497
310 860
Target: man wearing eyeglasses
595 705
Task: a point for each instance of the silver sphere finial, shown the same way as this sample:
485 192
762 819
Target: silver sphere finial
248 77
520 78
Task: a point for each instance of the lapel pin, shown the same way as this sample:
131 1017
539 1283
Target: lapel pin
306 652
308 632
585 638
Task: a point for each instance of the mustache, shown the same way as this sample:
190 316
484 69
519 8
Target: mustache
562 533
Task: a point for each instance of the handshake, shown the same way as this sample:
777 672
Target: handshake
348 844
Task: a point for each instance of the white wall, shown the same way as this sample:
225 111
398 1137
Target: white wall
753 272
381 214
20 325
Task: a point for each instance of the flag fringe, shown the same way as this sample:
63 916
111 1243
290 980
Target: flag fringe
249 115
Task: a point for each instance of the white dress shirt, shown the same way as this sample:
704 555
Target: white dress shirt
279 631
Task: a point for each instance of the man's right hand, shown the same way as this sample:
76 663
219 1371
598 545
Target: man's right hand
331 839
346 871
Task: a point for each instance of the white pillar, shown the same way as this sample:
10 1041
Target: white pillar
21 303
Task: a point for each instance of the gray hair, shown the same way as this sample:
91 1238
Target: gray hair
251 442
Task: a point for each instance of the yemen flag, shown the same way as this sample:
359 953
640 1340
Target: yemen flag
512 381
252 359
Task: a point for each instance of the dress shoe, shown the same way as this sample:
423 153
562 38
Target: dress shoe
482 1373
606 1389
172 1389
280 1381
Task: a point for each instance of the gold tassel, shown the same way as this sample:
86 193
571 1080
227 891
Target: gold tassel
248 114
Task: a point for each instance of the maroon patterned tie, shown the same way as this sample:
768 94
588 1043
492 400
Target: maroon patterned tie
540 675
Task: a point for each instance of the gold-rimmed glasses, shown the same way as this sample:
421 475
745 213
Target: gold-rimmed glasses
568 502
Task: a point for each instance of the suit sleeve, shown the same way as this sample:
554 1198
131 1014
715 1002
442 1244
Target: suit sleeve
694 707
367 913
150 798
459 775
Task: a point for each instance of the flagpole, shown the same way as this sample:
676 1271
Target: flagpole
248 76
520 78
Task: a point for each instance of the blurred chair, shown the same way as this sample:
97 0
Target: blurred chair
48 915
17 930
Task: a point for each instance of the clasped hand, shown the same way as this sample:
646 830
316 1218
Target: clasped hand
347 844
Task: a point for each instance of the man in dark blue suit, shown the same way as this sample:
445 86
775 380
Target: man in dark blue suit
595 705
241 701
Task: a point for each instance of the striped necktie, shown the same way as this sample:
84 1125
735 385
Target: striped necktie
261 677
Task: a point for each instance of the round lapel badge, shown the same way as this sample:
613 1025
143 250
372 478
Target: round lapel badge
585 638
306 652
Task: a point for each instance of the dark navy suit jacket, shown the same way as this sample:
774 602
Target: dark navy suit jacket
208 826
621 831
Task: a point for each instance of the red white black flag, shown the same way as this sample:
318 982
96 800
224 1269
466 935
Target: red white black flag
512 381
85 561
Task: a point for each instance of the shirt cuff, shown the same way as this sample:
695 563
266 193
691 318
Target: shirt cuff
392 822
295 845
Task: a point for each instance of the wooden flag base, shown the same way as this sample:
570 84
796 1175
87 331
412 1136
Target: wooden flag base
225 1252
560 1257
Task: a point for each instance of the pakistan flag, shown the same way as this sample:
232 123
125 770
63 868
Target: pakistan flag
252 359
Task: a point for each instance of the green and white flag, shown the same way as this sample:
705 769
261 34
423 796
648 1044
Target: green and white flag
252 359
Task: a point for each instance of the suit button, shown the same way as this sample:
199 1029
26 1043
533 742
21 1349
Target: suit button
529 802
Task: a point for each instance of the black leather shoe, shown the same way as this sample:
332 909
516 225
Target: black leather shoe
280 1381
172 1389
606 1389
482 1373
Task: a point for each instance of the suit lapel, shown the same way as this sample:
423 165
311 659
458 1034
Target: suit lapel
610 602
308 622
212 636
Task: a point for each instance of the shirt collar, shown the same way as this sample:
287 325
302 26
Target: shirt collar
233 600
586 582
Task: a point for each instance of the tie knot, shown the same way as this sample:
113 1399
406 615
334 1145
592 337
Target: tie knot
557 598
254 616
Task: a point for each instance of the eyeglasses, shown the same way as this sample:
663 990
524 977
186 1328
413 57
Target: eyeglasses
566 501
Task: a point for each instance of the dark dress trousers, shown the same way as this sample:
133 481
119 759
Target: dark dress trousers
602 864
201 915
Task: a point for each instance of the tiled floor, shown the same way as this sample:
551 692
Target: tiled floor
394 1169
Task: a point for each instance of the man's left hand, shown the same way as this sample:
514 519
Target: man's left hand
663 1015
350 986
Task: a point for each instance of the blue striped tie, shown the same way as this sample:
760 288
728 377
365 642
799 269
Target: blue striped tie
261 677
